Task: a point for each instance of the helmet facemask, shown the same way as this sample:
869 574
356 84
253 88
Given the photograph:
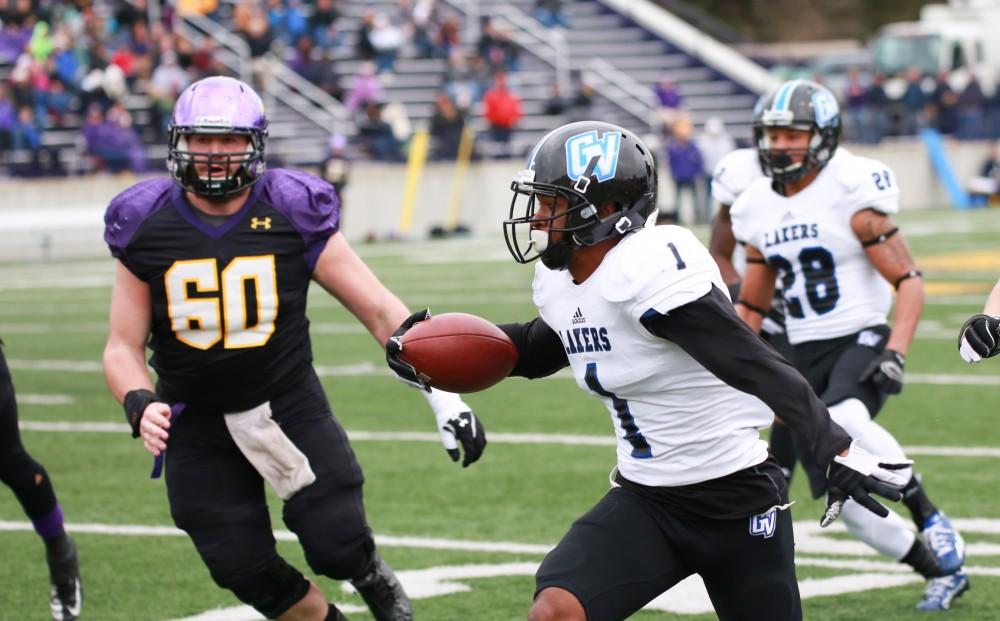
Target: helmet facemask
785 165
796 105
217 106
239 169
528 240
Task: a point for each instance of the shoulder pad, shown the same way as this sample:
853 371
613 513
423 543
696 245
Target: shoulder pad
733 175
743 212
310 203
130 208
648 255
868 183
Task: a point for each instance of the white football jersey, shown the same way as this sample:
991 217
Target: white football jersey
676 422
830 287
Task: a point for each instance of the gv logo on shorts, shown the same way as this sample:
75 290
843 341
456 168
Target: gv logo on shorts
763 525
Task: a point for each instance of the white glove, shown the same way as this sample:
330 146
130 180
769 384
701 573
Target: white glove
457 424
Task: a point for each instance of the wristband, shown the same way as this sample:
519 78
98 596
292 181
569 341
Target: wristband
135 404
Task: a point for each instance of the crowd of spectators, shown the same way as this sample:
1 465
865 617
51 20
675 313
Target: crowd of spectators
311 41
68 70
968 112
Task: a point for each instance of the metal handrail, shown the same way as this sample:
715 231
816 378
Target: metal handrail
308 99
529 34
284 84
634 97
224 37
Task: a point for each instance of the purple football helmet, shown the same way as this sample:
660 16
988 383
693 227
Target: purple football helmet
217 105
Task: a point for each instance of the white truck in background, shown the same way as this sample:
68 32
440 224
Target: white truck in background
959 38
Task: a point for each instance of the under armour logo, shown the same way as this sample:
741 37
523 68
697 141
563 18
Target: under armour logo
264 223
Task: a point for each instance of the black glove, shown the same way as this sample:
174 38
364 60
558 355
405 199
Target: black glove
135 403
394 346
979 338
858 474
464 429
886 372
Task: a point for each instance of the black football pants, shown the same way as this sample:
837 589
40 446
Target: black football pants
218 498
18 470
626 551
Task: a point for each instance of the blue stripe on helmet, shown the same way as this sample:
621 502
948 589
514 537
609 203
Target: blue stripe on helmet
783 99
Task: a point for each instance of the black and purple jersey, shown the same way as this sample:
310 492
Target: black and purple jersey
229 319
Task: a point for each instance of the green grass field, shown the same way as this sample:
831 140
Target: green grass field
466 542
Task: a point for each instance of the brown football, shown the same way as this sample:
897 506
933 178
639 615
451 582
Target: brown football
459 352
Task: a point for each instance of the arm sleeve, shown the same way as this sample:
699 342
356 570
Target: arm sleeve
540 352
709 330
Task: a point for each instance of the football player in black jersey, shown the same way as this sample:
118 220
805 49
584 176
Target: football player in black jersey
31 485
213 270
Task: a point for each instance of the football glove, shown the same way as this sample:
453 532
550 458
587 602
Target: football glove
858 474
979 338
135 404
886 372
394 347
464 429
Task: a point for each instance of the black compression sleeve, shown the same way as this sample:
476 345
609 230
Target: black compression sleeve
540 351
711 332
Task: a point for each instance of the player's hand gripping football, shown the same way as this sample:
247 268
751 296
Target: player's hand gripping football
394 346
979 338
886 372
858 474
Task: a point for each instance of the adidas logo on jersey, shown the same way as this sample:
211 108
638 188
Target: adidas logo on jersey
578 317
788 216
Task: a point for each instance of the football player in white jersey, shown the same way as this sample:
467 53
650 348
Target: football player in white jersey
821 221
732 175
642 317
980 335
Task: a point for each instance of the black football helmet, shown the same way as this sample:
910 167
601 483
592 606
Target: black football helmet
802 105
591 164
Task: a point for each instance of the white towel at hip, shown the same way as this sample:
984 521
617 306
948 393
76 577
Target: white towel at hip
273 455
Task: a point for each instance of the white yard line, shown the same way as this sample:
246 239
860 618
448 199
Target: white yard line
496 438
688 597
378 369
31 399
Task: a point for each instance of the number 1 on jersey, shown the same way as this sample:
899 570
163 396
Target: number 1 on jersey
640 447
680 262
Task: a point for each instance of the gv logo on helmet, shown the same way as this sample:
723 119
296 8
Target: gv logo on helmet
825 106
582 148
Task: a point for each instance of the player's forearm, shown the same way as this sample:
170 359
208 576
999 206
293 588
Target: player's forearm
906 316
992 307
125 369
752 318
540 352
729 274
722 245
